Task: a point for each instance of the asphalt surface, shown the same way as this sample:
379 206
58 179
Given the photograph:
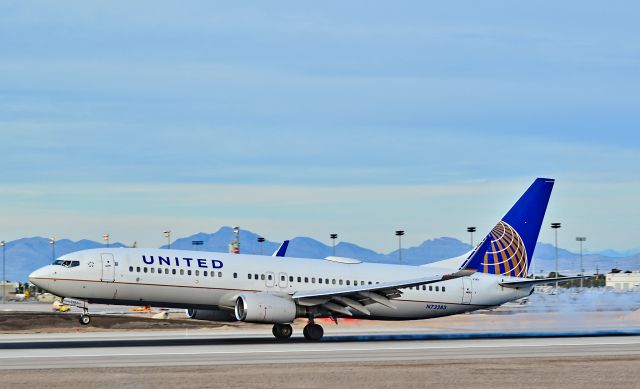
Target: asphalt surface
170 349
565 348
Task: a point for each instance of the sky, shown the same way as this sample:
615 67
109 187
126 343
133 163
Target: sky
304 119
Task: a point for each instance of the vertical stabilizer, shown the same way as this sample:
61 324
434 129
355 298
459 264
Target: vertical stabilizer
508 248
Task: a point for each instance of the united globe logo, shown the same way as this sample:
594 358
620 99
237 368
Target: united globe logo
506 254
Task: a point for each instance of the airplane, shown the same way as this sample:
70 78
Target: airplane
278 289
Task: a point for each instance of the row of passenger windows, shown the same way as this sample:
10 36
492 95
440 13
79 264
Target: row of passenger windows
333 281
182 272
307 280
263 277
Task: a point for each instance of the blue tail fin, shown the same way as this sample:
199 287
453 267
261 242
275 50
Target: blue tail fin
508 248
282 250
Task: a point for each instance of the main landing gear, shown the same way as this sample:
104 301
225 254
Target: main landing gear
312 331
282 331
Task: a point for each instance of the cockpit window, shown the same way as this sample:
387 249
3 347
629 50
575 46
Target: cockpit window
66 263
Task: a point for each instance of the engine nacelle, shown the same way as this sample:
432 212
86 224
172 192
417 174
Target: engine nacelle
266 308
211 315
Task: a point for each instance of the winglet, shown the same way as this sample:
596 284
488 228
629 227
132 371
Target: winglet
282 250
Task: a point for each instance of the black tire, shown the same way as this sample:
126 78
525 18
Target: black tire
282 331
286 331
85 320
305 331
313 332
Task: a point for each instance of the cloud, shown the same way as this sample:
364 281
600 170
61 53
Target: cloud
366 214
316 115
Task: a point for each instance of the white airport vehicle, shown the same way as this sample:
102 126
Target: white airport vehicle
278 289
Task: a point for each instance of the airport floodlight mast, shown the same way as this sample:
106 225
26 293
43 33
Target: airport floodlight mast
555 227
399 234
4 279
52 242
105 237
471 230
167 234
235 249
261 241
333 238
581 239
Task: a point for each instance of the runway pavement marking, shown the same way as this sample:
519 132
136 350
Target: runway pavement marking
319 350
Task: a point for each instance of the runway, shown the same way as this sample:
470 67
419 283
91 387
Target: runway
581 347
98 350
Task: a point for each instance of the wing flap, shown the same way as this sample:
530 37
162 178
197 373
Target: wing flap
353 304
337 308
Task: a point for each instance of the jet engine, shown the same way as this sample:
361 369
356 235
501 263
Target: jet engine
266 308
211 315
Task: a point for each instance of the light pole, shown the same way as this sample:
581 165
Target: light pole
556 226
52 242
105 237
4 280
581 239
399 235
167 234
333 238
236 232
471 230
261 241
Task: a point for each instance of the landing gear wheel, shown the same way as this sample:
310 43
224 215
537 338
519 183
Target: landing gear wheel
85 319
282 331
313 332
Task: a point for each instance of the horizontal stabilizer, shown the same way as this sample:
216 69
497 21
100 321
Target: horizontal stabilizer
527 283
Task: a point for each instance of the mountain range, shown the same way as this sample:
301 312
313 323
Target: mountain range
27 254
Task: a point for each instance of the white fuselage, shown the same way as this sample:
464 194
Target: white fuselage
206 280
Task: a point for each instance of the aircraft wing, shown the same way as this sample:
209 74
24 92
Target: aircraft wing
358 297
527 283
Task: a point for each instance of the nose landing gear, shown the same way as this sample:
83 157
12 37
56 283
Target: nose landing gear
85 319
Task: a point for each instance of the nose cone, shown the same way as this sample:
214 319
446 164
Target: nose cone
40 277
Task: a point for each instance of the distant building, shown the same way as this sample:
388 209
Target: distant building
624 282
9 290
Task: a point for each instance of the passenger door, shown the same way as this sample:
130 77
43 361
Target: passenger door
108 268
